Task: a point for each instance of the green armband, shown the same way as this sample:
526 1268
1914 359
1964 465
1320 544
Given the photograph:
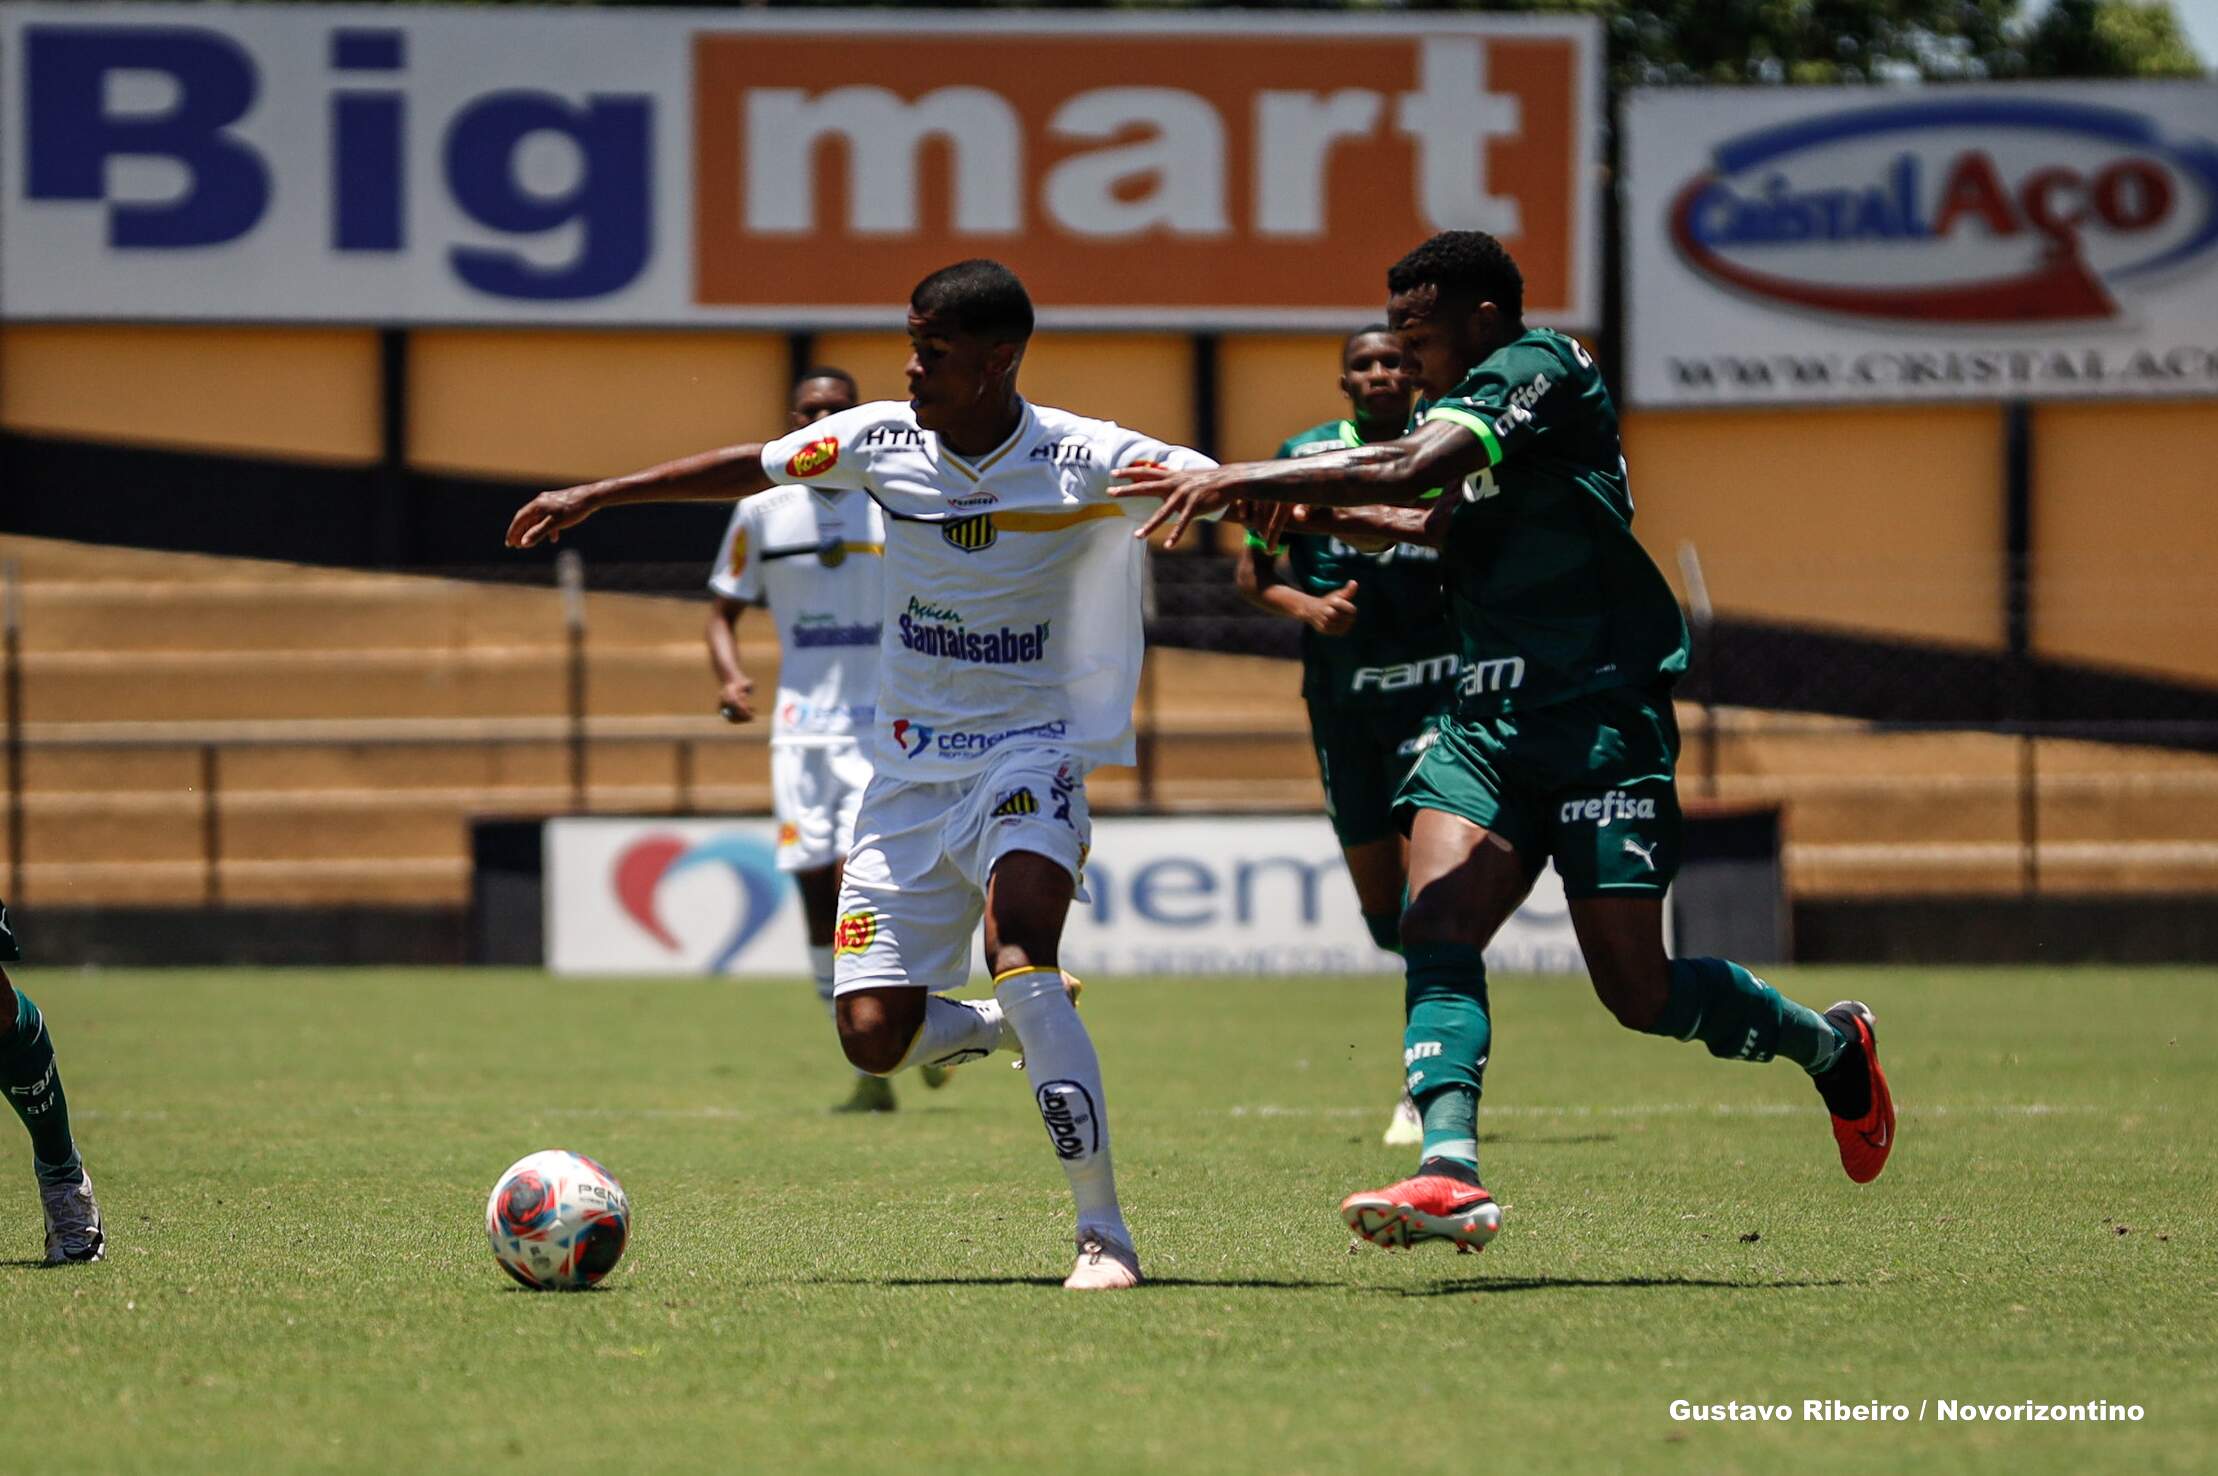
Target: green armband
1255 542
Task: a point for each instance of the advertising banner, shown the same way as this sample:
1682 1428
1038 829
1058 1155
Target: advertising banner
499 164
1185 896
1921 243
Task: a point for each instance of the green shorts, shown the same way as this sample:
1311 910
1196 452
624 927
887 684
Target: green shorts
10 950
1585 783
1362 755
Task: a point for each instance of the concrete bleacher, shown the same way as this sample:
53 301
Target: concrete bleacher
354 723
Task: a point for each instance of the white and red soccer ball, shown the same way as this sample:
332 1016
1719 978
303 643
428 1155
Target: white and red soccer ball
558 1221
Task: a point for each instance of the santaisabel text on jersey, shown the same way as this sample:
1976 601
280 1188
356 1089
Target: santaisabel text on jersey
1012 581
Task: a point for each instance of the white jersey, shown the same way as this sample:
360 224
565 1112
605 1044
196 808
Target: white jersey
1012 609
817 557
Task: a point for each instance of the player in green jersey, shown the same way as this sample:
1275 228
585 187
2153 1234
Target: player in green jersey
1378 652
33 1087
1561 744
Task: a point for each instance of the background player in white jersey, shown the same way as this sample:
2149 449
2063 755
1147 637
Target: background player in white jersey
1010 659
815 556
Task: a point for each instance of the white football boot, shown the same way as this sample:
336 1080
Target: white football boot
1406 1128
73 1232
1104 1264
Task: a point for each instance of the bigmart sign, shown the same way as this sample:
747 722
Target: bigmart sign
397 165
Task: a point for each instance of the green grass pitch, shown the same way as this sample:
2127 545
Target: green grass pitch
294 1167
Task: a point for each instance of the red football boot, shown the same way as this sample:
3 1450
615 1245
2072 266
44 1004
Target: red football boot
1424 1207
1855 1092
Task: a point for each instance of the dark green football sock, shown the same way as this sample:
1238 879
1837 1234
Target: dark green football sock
33 1087
1445 1045
1741 1018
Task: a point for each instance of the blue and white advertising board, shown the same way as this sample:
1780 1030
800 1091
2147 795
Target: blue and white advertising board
1184 896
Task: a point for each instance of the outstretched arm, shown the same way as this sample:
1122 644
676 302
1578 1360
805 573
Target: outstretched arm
711 476
1439 453
1256 576
1361 526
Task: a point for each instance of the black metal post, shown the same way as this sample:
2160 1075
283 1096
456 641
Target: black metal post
392 531
2024 696
211 827
11 679
1206 418
570 575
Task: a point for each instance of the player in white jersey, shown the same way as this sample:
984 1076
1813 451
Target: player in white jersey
1010 658
815 557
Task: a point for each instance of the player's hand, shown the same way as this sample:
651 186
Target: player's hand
1266 520
542 519
1333 614
737 704
1186 495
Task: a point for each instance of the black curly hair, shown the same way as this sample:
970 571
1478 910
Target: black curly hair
978 296
1364 332
1463 264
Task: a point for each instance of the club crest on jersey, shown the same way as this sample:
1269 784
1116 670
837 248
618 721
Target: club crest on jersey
855 932
1016 802
814 459
971 534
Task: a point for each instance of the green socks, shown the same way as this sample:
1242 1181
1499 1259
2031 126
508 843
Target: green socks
34 1089
1451 1126
1445 1045
1741 1018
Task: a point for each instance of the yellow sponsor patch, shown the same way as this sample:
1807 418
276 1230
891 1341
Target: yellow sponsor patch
855 932
814 459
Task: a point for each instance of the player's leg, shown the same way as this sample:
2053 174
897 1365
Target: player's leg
1380 870
1359 762
850 773
1616 841
1739 1017
32 1084
804 796
1475 847
906 915
1031 838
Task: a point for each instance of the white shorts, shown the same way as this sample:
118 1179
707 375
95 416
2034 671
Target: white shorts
915 884
815 791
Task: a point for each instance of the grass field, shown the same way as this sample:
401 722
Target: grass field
294 1168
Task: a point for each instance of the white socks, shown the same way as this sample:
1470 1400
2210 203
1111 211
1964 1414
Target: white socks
954 1031
1065 1073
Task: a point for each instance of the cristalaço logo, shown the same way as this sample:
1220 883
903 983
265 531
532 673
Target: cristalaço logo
1975 209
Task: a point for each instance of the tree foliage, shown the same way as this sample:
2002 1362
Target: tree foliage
1666 41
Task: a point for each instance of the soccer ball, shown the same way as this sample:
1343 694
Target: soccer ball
558 1221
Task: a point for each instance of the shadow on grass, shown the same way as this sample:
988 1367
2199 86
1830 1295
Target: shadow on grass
1553 1140
1484 1285
36 1263
1244 1283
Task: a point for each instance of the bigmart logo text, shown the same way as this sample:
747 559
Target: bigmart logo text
650 166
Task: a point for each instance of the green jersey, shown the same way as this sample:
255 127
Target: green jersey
1401 651
1551 594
